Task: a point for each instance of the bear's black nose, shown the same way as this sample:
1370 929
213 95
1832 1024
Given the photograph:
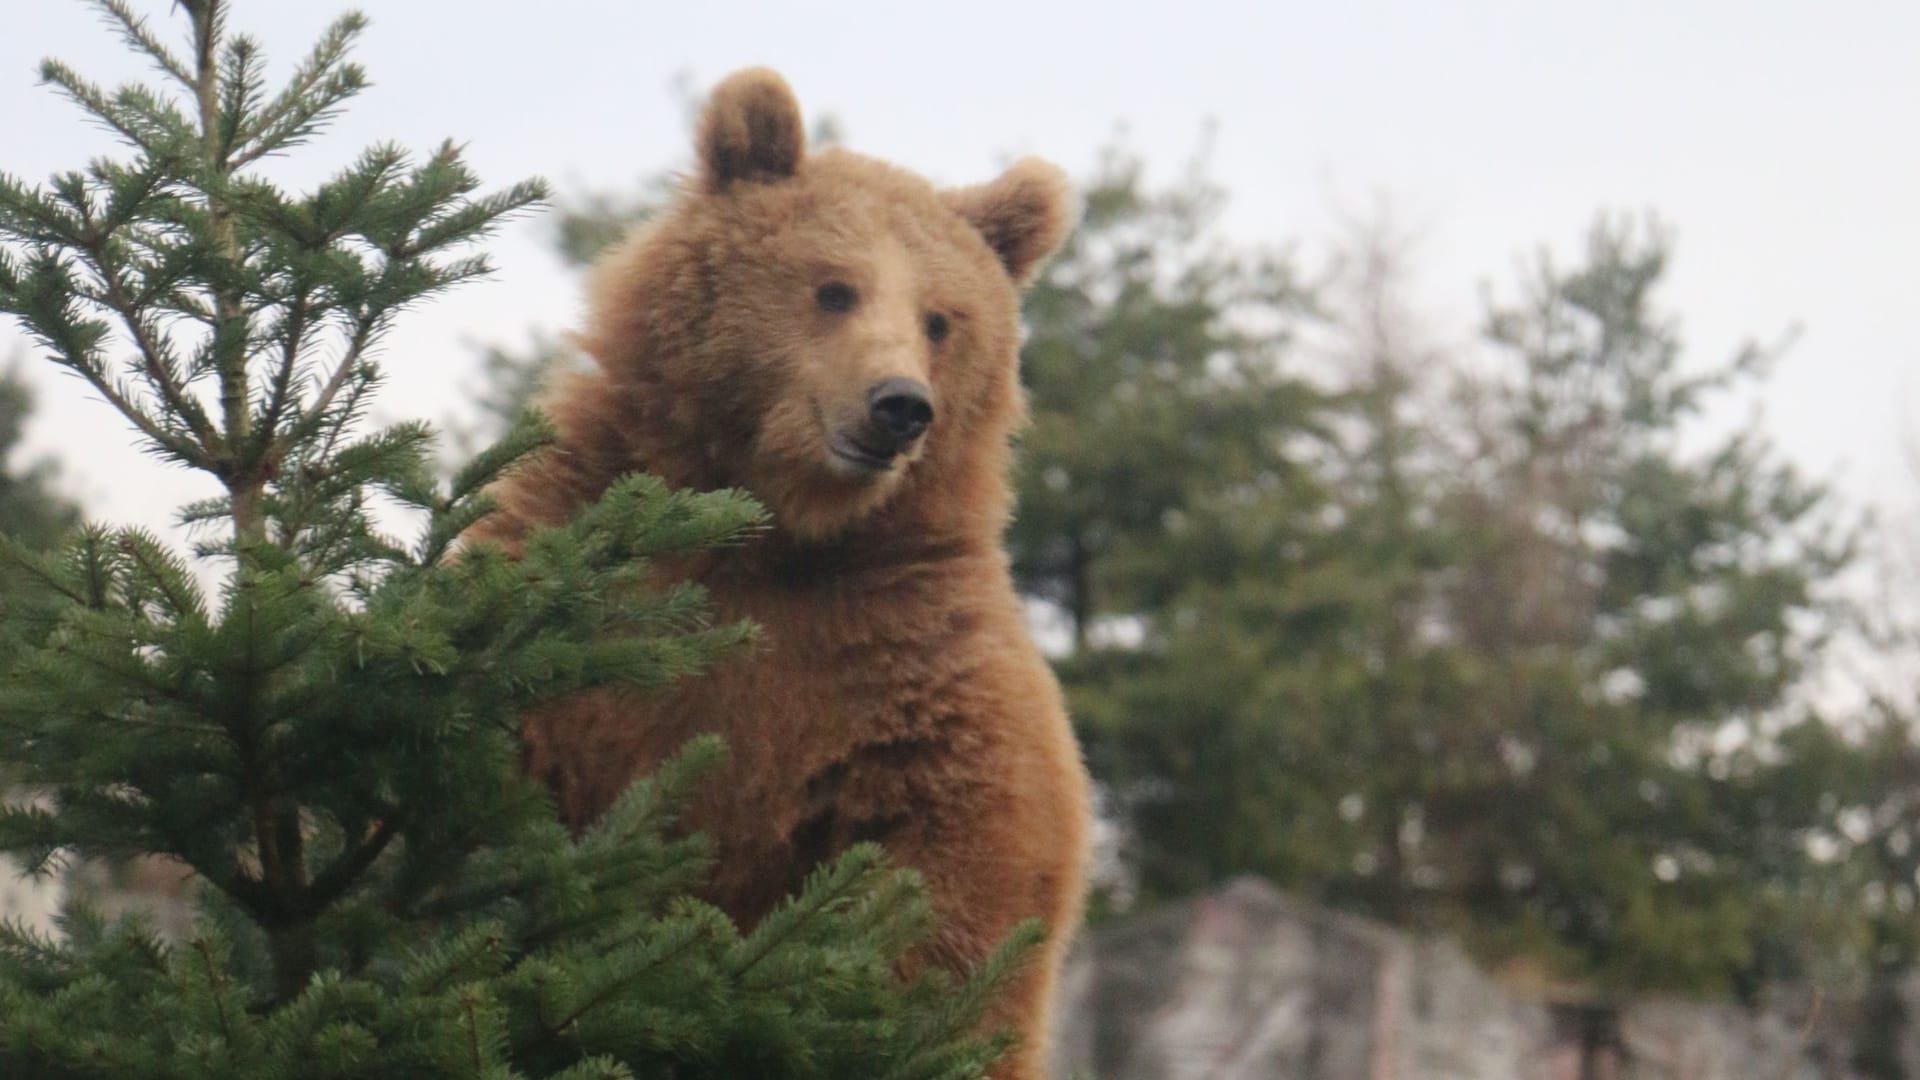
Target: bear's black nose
901 410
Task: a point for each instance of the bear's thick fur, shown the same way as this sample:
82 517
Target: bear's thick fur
841 339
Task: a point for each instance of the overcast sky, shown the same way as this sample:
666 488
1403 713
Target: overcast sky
1781 140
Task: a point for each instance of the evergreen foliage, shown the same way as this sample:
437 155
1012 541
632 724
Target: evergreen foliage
32 512
328 742
1465 659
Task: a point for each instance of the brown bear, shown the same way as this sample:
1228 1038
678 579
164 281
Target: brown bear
839 338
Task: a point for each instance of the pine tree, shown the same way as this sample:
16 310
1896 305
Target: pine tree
328 741
1162 407
1645 593
1167 478
32 512
1447 651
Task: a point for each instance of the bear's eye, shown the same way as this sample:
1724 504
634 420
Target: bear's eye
836 296
937 327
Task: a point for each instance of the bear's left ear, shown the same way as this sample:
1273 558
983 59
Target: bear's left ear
1024 215
750 130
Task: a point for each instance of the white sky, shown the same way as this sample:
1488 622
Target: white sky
1782 139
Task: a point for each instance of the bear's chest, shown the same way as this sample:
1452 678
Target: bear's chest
854 664
853 717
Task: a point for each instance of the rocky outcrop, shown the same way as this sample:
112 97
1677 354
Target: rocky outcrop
1248 982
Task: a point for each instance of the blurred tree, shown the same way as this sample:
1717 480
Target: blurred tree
1162 411
1171 462
32 513
1453 651
1649 592
1869 786
1280 706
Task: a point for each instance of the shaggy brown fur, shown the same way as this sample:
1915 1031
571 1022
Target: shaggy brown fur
897 696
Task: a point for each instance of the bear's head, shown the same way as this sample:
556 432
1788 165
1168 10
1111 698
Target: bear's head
824 330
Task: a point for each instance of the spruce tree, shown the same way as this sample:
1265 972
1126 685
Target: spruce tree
1167 485
327 741
1448 651
1645 591
31 509
32 512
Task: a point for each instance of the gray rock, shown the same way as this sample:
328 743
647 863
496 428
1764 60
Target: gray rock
1248 982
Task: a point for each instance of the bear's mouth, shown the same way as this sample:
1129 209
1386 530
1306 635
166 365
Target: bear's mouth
861 457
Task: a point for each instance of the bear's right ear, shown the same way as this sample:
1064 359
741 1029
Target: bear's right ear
1024 216
750 130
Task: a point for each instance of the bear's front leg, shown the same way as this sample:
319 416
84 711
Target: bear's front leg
987 877
973 918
